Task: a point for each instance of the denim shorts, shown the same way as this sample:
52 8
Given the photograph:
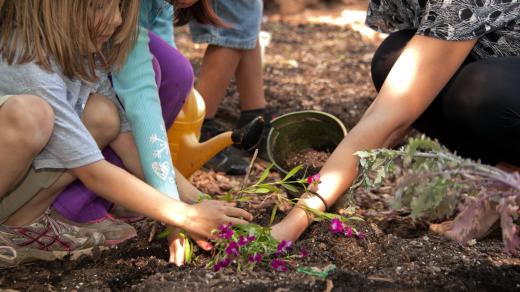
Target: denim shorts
244 17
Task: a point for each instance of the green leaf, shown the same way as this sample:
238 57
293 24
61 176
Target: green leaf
188 247
165 233
362 154
261 191
244 199
292 172
273 215
265 174
270 187
291 188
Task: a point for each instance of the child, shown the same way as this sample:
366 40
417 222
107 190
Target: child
451 70
232 51
152 86
52 92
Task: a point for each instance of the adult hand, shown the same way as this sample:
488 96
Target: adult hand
178 4
206 216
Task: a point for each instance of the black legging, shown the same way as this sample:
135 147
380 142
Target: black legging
477 114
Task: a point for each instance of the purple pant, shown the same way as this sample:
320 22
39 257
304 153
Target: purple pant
174 77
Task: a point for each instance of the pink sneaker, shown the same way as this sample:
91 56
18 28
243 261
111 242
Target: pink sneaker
46 239
114 230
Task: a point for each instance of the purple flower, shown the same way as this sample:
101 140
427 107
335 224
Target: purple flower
221 264
336 226
360 235
303 253
232 248
242 240
256 258
283 247
348 232
279 265
245 240
225 231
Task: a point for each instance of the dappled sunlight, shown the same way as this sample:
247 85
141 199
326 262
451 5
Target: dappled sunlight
349 17
403 73
353 17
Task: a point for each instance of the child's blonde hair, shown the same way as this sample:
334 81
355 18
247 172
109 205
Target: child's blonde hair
64 32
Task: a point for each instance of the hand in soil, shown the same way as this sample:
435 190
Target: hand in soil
458 231
204 217
177 246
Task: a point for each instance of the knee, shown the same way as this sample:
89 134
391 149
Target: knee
32 118
101 117
176 71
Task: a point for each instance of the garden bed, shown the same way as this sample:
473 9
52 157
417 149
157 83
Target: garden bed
308 66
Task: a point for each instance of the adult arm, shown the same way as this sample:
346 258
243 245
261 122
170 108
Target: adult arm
420 73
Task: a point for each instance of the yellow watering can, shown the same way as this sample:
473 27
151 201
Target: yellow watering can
183 136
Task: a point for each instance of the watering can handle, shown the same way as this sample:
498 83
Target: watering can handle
248 136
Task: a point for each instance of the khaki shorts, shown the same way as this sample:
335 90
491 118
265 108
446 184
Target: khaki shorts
26 190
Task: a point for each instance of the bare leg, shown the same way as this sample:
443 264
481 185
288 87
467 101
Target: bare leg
26 124
218 66
124 146
102 120
250 81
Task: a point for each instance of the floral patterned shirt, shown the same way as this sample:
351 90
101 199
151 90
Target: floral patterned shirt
495 23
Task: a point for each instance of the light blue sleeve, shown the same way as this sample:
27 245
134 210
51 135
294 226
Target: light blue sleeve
135 85
162 23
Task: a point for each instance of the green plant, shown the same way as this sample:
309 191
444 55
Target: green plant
433 182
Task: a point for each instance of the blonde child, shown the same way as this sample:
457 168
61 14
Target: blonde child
57 109
152 86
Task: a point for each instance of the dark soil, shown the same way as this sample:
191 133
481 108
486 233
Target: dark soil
309 66
311 160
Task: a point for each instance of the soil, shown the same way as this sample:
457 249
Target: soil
308 66
311 159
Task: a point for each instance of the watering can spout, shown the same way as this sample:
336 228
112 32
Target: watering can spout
188 153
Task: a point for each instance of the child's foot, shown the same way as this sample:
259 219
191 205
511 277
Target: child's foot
465 230
115 231
46 239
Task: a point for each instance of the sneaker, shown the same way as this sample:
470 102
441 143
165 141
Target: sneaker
7 255
114 230
46 239
125 215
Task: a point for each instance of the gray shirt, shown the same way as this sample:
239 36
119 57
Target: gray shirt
70 145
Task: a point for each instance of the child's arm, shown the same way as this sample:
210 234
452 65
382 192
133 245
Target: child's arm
422 70
162 24
136 87
120 187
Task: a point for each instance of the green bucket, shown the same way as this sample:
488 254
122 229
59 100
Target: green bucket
296 131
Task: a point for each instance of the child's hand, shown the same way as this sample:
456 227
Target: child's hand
206 216
177 246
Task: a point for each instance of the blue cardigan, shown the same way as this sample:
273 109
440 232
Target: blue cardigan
135 85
